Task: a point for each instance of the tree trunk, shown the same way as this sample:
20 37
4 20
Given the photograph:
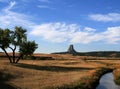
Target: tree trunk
13 56
13 50
21 56
7 54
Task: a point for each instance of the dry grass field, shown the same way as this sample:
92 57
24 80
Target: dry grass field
42 74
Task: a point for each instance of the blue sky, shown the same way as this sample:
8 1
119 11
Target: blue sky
91 25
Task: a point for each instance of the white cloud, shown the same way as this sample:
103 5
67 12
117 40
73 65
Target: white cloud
55 32
8 18
89 29
11 5
112 34
105 17
62 32
58 32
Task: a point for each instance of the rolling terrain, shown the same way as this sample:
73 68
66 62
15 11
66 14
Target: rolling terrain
61 70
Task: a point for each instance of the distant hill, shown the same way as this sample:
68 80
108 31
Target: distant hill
100 53
71 50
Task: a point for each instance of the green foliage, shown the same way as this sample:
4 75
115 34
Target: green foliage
4 38
27 48
17 38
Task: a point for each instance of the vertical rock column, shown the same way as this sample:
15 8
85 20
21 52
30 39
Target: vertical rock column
71 50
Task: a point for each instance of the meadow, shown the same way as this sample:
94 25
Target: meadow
63 71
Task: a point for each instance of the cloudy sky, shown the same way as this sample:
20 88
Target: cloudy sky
91 25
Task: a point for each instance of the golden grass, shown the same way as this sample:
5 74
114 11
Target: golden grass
40 74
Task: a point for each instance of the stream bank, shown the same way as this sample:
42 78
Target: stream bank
87 82
107 82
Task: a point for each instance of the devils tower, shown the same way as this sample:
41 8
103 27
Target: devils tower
71 50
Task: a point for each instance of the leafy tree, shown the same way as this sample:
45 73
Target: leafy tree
17 37
5 41
13 39
27 48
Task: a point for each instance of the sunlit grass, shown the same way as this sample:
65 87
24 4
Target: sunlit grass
65 71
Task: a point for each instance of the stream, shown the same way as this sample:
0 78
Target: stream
107 82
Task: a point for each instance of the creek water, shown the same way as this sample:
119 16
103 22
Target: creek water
107 82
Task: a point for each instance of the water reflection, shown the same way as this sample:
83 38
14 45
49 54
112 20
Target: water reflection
107 82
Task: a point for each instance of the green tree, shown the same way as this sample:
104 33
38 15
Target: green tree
17 37
27 48
13 39
5 41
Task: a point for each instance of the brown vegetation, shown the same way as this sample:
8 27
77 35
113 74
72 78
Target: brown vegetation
40 74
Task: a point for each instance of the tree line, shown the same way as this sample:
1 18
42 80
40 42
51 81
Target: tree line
16 39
